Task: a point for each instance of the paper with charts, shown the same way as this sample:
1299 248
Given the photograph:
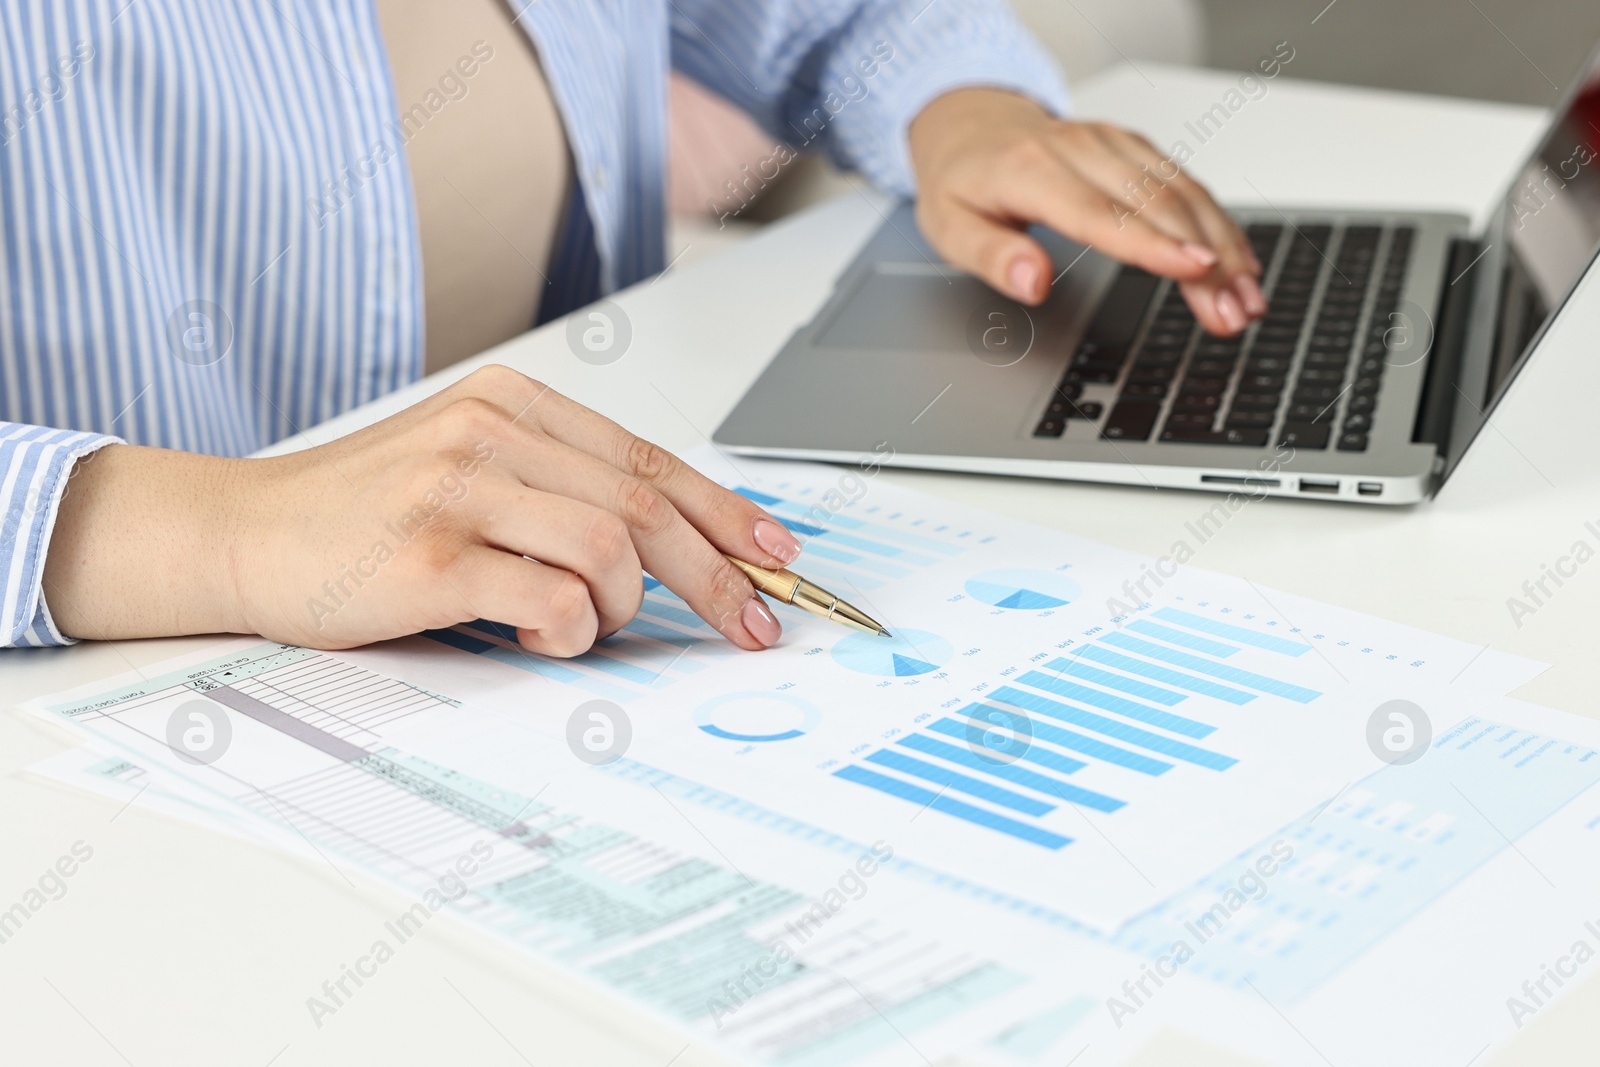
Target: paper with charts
1074 749
1045 705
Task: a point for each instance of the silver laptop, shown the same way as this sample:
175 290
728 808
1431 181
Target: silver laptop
1388 341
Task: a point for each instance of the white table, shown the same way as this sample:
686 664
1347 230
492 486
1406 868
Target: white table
176 946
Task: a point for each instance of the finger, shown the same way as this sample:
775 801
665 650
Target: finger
575 536
733 523
669 545
1056 195
1105 157
1237 265
1002 255
550 608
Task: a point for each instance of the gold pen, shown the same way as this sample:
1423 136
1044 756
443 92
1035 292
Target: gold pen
789 588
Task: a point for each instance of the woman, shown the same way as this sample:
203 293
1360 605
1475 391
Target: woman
223 223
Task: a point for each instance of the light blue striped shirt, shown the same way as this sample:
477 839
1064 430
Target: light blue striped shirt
207 236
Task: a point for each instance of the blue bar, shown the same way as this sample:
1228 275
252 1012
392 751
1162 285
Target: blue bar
657 659
1042 756
493 629
661 609
760 498
1039 783
650 583
887 533
1232 633
828 573
959 782
1142 690
800 527
1111 728
879 550
1104 655
1179 637
1216 670
678 639
815 549
1089 746
599 661
524 660
1126 708
594 659
939 802
838 555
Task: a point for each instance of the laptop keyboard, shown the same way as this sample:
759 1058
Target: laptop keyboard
1308 374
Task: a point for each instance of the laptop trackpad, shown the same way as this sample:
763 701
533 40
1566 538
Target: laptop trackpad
912 306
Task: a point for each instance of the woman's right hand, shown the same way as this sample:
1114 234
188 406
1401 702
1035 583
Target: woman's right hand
496 498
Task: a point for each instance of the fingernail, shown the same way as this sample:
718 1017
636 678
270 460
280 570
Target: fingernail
775 541
1250 294
1229 312
1200 254
759 620
1023 278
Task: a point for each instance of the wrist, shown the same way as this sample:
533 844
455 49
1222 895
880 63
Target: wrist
142 543
962 117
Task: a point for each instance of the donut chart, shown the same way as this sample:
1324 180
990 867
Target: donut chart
757 717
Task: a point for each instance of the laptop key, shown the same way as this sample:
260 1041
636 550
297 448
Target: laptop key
1050 427
1235 436
1123 307
1144 391
1352 442
1311 435
1250 419
1357 423
1157 375
1085 409
1257 364
1197 402
1130 420
1190 420
1256 402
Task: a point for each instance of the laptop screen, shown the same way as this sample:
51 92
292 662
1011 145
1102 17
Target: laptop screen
1552 226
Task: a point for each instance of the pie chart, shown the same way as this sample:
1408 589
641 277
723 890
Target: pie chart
1026 590
757 716
907 653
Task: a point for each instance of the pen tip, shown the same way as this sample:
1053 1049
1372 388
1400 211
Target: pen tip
884 633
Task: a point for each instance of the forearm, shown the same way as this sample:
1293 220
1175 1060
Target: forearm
142 546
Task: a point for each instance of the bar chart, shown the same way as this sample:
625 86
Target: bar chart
1138 701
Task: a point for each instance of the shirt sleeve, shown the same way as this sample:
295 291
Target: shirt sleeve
35 466
850 75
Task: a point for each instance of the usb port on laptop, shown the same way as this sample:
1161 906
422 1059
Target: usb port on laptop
1315 485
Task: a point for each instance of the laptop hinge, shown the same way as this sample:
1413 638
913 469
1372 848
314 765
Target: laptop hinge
1449 339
